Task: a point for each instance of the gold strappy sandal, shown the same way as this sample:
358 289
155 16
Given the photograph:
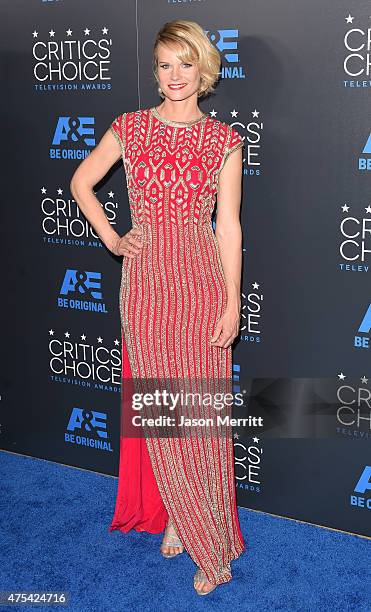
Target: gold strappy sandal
200 576
171 539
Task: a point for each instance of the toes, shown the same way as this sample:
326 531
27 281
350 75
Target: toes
204 587
171 550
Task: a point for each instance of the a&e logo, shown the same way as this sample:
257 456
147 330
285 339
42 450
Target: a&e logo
363 487
364 328
226 42
364 163
72 131
88 428
82 290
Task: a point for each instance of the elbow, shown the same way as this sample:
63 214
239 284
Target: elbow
79 186
72 187
232 233
75 183
75 188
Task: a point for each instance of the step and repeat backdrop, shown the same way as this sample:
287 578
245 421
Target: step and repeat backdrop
296 84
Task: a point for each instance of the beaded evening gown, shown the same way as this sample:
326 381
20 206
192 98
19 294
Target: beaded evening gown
172 295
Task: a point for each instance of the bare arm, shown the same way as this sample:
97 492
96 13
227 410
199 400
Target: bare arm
229 236
228 228
91 170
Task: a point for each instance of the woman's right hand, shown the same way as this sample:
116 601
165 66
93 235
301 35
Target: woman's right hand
130 244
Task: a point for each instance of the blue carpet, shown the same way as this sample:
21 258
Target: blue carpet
54 536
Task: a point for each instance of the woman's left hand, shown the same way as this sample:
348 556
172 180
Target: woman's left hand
226 330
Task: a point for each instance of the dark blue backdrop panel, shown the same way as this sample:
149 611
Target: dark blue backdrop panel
296 84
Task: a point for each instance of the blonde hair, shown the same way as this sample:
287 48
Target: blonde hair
195 47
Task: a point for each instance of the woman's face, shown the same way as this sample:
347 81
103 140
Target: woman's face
177 80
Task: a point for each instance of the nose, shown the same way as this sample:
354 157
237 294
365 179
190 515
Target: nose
175 74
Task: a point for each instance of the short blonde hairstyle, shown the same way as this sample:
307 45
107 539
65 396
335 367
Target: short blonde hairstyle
195 47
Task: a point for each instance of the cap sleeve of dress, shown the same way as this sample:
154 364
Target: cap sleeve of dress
234 141
117 129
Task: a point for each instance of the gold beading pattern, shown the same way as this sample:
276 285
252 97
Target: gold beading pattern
171 296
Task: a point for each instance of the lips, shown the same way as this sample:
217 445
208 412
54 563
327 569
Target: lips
176 87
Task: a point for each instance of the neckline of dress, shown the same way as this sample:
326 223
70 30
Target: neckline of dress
155 112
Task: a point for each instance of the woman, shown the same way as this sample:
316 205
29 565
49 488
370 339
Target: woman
179 296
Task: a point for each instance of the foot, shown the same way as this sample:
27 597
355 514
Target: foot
201 583
171 544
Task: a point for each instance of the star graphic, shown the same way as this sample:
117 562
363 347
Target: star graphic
43 190
51 332
69 32
255 440
35 34
213 113
59 191
234 113
255 285
67 334
110 194
104 30
345 208
86 31
51 33
368 209
255 113
349 19
364 380
83 337
116 342
341 376
100 340
236 436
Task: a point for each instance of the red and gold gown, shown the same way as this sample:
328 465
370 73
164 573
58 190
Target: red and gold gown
172 295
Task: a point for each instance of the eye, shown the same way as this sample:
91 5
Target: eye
187 65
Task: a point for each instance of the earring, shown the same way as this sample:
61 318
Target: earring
159 90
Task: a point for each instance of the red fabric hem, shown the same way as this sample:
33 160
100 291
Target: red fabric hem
139 505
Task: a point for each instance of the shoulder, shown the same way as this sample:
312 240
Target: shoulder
225 130
130 126
227 137
122 123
